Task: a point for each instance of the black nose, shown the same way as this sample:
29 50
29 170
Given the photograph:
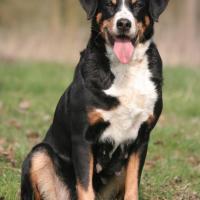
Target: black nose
123 25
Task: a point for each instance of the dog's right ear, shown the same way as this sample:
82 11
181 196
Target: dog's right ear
156 7
90 6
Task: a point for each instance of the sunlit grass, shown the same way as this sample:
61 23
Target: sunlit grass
173 163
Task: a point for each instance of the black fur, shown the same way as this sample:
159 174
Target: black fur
156 7
90 7
71 138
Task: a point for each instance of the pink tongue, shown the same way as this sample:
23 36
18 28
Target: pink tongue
124 50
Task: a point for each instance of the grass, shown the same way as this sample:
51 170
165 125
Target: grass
30 92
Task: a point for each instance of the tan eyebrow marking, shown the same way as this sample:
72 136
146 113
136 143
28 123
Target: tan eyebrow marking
94 117
98 17
114 2
133 1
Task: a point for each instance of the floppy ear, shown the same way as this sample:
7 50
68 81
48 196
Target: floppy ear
156 7
90 6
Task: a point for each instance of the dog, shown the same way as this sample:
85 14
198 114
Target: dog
97 144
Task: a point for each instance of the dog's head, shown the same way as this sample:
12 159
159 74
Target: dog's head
124 23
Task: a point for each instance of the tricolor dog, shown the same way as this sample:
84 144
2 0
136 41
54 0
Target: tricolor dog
96 146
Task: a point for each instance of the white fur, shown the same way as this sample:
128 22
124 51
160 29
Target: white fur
137 95
125 13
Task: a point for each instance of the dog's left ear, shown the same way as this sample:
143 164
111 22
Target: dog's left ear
156 7
90 6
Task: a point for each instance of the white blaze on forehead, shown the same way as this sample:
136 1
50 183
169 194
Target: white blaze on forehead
124 13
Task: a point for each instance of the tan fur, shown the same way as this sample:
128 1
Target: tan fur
94 117
131 182
147 21
108 23
141 27
46 184
35 189
106 26
133 1
114 2
99 17
88 193
150 120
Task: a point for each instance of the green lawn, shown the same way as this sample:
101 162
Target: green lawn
30 92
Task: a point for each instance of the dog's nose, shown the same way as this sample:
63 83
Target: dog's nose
123 25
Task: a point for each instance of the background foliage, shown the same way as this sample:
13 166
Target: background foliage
57 30
172 169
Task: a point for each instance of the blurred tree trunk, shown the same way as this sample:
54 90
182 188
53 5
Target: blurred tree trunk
179 23
55 15
72 12
63 11
190 22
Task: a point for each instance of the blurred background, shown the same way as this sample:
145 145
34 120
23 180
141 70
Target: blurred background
40 43
56 30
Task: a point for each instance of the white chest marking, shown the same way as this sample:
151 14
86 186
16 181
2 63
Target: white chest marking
136 93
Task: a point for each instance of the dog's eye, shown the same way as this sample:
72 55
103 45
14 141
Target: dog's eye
110 3
137 3
137 6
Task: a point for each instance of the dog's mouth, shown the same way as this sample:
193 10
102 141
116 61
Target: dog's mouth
123 47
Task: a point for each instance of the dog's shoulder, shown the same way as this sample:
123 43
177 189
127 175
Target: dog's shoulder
155 63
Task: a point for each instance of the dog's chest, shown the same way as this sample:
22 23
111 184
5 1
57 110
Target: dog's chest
137 95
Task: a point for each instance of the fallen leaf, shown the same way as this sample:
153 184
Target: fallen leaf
159 143
15 123
25 105
150 164
33 135
194 161
8 154
46 118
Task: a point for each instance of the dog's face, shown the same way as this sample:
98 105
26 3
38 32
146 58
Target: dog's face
124 23
122 19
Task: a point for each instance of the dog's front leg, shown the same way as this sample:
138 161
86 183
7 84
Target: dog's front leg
82 158
132 176
83 165
85 188
137 158
133 171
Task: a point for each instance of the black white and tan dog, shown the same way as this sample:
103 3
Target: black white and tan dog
97 143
